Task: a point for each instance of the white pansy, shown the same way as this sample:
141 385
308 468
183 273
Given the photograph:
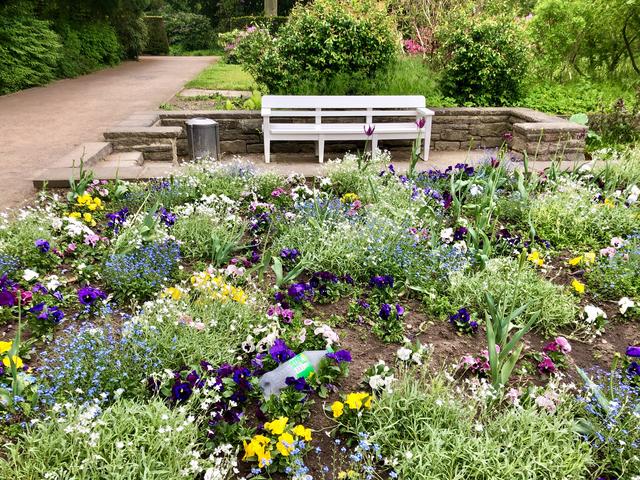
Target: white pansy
404 353
625 303
446 235
592 313
30 275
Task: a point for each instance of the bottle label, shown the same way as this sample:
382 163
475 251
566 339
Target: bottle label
301 366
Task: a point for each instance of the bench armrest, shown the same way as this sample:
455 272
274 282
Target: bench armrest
266 112
425 112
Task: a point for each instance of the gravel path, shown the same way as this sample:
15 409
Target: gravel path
40 125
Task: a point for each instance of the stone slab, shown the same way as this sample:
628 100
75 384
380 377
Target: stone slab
89 153
201 92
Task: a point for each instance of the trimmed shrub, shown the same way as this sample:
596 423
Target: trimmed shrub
323 39
132 33
485 61
29 53
189 31
157 43
87 47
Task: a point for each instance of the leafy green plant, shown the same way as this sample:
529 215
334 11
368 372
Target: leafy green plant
85 442
323 38
29 53
484 60
438 434
557 308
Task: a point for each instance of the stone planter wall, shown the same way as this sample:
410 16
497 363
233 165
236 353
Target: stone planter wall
527 132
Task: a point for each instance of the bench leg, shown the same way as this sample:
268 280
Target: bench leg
267 150
321 151
374 147
427 139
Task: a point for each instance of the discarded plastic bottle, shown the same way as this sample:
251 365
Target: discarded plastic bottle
302 365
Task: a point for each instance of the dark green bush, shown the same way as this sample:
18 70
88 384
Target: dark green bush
29 53
189 31
484 61
270 23
157 43
132 33
321 40
87 47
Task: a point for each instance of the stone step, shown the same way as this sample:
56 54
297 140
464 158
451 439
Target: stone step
123 159
90 153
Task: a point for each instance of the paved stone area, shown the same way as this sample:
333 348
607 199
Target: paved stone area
40 125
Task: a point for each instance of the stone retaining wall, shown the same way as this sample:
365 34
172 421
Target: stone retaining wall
526 131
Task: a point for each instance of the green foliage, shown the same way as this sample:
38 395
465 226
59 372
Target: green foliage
223 76
500 277
204 237
617 276
19 241
132 32
157 42
169 330
87 47
189 31
485 60
87 443
438 435
572 217
322 39
29 53
590 38
581 95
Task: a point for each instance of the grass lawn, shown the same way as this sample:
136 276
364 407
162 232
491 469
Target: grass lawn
222 76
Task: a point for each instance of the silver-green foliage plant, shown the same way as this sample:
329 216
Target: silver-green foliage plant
438 434
557 308
126 441
576 216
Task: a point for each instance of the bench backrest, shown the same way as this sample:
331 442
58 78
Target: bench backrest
343 101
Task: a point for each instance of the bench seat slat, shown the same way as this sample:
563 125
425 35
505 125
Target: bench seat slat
354 128
344 113
343 101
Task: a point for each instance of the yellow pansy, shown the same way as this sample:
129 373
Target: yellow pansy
337 408
285 444
264 458
578 286
608 203
535 258
302 432
5 347
589 257
575 260
349 198
173 292
367 404
16 360
75 215
355 400
88 218
277 426
84 199
255 446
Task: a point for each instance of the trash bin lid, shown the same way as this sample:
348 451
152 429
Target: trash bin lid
201 121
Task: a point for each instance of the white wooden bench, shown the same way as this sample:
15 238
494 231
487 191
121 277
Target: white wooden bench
353 109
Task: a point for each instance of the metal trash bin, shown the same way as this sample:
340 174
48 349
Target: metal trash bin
203 135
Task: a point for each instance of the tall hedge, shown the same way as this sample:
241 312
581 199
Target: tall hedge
87 47
29 53
189 31
157 42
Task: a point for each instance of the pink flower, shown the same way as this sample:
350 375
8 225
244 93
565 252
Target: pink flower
278 192
546 366
91 240
71 247
467 361
608 252
563 344
513 396
545 402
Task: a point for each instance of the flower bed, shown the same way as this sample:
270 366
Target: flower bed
477 322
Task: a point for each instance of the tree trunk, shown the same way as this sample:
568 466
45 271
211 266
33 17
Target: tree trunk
270 8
